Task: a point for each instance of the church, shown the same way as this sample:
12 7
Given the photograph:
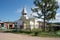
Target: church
26 22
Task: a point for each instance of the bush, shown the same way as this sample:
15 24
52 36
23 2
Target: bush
58 32
38 32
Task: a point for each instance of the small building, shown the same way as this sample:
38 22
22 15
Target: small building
8 25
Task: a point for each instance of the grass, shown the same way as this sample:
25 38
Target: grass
36 33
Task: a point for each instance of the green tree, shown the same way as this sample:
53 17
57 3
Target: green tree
48 10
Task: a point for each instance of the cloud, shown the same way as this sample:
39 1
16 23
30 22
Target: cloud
34 14
58 2
19 10
57 18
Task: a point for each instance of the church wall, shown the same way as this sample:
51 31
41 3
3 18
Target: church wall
31 25
36 24
25 25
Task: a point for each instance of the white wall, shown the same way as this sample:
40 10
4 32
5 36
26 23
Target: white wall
36 24
31 25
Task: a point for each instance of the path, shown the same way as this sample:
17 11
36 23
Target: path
11 36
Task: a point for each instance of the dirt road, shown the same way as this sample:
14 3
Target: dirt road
11 36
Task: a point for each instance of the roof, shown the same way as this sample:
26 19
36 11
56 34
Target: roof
1 22
24 11
9 22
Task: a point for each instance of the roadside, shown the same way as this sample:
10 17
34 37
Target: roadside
11 36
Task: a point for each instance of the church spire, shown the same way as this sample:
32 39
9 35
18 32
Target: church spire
24 11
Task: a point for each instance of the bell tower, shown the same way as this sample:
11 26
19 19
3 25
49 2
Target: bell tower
24 11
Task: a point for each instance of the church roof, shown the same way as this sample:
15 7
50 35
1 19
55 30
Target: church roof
24 10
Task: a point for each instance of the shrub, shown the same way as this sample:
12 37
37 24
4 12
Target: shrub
58 32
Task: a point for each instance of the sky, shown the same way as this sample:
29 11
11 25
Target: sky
10 10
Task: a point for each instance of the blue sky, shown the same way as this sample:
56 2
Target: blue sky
11 9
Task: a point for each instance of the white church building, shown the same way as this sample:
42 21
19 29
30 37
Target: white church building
26 22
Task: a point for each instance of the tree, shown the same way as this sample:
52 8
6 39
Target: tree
48 10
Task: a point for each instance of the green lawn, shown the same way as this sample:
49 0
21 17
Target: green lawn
37 33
